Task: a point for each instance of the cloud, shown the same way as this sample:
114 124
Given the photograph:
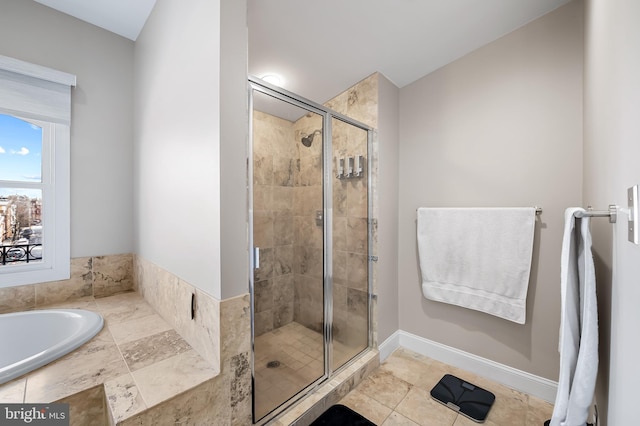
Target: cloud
34 127
33 177
23 151
2 151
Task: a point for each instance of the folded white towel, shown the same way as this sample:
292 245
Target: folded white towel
578 325
478 258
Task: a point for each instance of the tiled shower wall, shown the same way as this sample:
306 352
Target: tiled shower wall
350 208
287 195
274 157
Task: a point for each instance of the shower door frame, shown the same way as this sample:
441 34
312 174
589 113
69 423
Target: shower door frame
255 83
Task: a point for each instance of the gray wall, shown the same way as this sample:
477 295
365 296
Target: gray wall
191 141
501 126
386 199
234 136
101 117
177 141
612 150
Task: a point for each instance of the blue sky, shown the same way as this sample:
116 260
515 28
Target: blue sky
20 150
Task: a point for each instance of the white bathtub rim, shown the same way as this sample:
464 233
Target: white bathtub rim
93 324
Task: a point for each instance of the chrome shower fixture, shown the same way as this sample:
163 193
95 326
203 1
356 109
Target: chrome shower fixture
307 140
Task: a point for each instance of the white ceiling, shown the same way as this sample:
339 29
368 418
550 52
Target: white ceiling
123 17
323 47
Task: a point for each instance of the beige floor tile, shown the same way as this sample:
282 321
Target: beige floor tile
420 373
408 369
509 408
464 421
419 407
538 411
397 419
409 354
367 406
384 387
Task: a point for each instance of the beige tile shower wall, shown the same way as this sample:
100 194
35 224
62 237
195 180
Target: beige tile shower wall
98 276
171 297
275 160
308 235
287 195
350 211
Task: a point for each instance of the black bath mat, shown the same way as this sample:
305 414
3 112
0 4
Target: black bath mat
340 415
463 397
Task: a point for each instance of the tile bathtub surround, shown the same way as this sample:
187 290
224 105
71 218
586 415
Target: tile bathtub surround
98 276
134 367
170 297
398 393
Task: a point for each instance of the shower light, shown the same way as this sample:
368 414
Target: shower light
274 79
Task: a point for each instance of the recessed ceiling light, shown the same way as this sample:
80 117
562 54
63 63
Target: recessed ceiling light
274 79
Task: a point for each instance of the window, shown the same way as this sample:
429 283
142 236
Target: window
35 114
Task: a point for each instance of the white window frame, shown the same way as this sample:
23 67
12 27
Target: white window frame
42 96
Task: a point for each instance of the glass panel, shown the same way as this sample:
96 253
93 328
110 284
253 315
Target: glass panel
288 291
350 242
20 150
20 226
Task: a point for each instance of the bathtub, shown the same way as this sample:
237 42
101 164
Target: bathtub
31 339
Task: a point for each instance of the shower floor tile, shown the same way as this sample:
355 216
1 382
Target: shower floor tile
300 356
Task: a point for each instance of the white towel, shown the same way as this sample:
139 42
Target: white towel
578 325
478 258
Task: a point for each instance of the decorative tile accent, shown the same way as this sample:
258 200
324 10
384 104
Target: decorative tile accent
152 349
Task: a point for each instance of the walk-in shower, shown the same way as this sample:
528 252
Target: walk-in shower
310 234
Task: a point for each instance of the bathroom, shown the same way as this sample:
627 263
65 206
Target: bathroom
138 165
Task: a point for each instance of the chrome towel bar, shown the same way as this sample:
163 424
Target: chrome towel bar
612 213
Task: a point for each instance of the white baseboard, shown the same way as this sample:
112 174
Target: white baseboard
387 347
517 379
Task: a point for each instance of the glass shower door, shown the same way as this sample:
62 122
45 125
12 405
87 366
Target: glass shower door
288 240
350 255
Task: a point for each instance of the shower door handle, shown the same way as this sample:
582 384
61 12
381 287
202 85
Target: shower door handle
256 258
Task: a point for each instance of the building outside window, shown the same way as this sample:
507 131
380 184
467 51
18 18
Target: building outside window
35 120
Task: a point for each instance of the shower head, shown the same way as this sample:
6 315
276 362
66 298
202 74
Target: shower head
307 140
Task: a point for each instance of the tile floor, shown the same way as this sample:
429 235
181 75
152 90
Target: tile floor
397 393
299 351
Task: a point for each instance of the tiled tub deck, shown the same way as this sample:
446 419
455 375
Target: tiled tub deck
136 362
